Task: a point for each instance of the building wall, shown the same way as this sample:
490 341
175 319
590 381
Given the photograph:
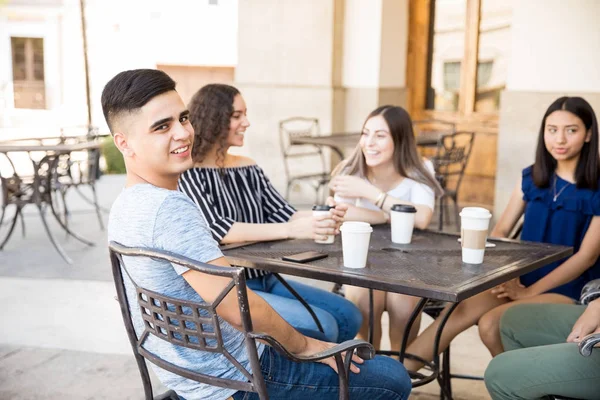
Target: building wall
550 63
143 34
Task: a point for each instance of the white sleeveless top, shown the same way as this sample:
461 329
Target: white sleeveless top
407 190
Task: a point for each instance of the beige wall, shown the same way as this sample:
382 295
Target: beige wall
335 60
549 64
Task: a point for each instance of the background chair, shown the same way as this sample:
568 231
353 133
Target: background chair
303 162
432 126
77 170
196 326
450 161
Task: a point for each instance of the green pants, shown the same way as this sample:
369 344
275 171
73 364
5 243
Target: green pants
538 362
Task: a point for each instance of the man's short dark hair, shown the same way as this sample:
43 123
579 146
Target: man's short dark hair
131 90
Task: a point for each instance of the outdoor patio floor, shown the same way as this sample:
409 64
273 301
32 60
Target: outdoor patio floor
62 336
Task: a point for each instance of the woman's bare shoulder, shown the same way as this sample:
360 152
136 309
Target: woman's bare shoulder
240 161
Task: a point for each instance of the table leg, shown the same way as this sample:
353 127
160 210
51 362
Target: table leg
444 378
58 248
13 223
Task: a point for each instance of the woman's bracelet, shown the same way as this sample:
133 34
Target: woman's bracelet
381 195
380 205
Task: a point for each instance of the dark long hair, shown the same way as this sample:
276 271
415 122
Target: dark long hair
587 171
406 159
211 109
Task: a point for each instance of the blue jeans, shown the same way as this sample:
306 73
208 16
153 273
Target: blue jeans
340 318
381 378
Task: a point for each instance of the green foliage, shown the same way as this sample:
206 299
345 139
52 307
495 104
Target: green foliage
113 157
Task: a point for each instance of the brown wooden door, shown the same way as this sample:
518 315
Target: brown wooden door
458 55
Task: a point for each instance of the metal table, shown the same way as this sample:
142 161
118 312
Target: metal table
430 267
38 188
340 142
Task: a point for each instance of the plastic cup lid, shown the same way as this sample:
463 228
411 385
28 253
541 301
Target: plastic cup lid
404 208
475 212
322 207
355 226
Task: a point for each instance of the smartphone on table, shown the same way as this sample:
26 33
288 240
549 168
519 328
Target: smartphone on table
305 257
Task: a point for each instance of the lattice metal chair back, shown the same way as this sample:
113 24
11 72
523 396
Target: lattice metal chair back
314 158
450 162
185 323
196 326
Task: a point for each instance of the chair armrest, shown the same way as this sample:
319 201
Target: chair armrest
364 350
587 344
590 292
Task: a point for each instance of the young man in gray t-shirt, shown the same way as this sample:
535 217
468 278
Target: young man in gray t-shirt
150 126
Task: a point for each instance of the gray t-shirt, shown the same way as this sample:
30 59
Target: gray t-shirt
147 216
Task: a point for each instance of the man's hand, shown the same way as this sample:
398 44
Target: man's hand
314 346
587 324
512 289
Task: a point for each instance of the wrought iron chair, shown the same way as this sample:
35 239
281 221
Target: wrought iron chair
75 173
166 318
450 162
312 156
16 191
425 126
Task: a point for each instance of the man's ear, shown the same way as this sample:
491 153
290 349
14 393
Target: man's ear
121 142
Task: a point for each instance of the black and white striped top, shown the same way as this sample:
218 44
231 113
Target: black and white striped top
236 194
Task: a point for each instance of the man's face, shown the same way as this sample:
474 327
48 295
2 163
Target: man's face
158 139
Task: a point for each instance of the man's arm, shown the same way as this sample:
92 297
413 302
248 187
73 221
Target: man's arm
264 318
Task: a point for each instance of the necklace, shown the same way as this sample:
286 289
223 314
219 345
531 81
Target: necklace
561 190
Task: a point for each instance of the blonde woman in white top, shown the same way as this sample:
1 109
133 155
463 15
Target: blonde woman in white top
385 169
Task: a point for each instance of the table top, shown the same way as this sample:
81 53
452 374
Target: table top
431 266
22 146
351 139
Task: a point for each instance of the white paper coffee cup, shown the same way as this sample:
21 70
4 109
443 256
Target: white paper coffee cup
323 210
474 224
402 218
355 243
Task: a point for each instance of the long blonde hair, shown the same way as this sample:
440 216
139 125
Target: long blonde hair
406 159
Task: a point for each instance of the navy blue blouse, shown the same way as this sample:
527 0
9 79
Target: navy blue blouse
559 215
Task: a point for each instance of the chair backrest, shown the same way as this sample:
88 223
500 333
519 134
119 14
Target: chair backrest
185 323
300 127
451 158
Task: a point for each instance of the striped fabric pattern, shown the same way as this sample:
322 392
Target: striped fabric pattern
235 194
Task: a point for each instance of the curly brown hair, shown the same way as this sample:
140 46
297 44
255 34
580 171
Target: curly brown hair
211 109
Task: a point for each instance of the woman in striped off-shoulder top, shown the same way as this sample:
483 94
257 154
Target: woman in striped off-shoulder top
239 204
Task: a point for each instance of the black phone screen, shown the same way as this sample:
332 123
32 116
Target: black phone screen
304 257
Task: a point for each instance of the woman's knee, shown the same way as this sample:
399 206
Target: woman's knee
489 327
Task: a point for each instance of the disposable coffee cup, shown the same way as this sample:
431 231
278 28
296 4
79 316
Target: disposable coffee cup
355 243
323 210
474 224
402 218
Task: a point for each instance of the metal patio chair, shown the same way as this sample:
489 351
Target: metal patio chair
450 161
196 326
309 155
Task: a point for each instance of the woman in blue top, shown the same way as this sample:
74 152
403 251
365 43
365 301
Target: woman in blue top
559 196
240 204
